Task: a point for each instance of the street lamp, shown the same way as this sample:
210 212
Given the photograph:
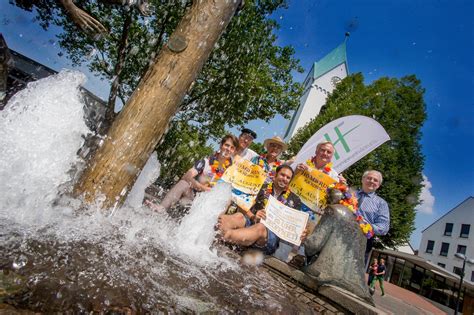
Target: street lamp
464 260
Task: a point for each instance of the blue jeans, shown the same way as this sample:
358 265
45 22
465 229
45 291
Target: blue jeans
272 243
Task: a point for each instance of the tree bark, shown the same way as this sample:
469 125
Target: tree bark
121 54
143 121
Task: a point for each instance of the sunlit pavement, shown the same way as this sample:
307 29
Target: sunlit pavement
400 301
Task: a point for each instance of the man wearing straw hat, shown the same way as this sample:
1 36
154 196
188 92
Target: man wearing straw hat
269 161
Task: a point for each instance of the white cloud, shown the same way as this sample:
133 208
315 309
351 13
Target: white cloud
426 198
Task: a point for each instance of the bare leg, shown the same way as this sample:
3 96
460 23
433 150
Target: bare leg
231 222
255 234
176 193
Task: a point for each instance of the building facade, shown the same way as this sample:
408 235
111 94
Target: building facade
17 70
319 83
452 233
416 274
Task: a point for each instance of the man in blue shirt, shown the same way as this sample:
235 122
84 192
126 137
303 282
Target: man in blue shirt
373 208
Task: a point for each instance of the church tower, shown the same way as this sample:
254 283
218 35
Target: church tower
321 80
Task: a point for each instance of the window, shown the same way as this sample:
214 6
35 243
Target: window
444 249
461 249
448 229
442 265
429 247
472 276
457 270
465 230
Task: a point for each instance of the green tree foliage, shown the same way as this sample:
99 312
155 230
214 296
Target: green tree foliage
185 145
248 76
398 105
258 147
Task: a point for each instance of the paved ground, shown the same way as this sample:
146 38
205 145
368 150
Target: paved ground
400 301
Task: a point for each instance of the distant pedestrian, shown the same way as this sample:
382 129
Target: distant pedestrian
372 271
378 276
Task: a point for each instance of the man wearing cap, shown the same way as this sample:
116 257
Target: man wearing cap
245 140
269 161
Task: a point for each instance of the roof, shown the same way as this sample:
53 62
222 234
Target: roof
405 247
465 200
330 61
31 67
420 261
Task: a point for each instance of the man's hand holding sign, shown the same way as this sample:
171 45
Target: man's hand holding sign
242 229
287 223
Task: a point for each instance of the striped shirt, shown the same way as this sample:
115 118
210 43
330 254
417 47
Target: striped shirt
375 211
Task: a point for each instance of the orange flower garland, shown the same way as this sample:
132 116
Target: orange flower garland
326 169
350 202
282 198
271 170
217 168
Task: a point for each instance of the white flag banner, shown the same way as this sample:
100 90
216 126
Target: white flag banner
353 137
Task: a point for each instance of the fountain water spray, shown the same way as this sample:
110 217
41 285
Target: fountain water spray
60 259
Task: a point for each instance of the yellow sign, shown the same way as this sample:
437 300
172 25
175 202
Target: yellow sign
311 187
244 201
245 176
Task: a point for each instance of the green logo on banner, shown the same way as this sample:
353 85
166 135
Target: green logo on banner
341 139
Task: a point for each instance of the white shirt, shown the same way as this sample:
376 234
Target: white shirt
248 154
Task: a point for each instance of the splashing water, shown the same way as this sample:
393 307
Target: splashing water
63 258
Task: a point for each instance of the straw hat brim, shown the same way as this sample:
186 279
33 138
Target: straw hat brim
272 140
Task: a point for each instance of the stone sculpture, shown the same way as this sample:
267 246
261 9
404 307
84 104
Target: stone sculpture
339 245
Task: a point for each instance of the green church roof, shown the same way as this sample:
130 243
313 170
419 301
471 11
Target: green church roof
330 61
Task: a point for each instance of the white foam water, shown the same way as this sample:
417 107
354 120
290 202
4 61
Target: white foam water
40 133
151 257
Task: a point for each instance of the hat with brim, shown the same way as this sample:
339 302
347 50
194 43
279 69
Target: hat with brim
276 140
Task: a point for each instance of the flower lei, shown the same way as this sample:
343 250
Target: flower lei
217 168
282 198
263 163
350 201
326 169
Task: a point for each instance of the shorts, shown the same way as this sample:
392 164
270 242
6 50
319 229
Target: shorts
247 221
272 243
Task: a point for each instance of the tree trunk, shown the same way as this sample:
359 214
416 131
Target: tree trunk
121 54
143 121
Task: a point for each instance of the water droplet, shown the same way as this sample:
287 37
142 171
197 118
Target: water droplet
91 53
134 50
20 262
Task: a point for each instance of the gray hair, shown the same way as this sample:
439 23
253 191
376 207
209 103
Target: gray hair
324 143
375 172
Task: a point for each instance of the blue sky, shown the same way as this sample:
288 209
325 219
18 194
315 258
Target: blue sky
432 39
